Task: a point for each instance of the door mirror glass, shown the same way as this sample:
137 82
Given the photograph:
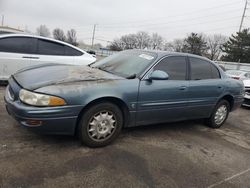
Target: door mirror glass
158 75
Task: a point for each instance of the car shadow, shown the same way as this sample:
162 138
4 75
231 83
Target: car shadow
3 83
245 107
139 131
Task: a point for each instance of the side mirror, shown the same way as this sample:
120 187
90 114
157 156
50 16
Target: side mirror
158 75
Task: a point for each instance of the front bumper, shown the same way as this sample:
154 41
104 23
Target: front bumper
53 120
246 101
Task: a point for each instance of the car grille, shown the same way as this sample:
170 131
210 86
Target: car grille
246 102
247 91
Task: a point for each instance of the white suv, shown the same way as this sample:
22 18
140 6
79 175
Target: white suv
18 51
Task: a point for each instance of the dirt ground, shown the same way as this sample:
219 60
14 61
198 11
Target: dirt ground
186 154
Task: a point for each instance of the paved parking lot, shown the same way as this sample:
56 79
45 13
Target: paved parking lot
186 154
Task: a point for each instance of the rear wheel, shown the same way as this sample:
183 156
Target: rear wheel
100 124
219 115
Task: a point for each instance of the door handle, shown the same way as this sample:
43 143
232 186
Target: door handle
183 88
30 57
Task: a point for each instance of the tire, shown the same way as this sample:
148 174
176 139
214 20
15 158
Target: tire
219 115
100 124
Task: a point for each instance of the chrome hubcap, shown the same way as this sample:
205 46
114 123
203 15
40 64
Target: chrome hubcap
102 126
220 114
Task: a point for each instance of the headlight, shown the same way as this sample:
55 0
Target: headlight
37 99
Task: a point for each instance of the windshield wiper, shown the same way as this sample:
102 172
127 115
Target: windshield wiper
104 67
132 76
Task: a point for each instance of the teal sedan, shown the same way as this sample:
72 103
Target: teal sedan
130 88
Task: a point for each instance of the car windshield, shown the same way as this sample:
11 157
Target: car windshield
126 63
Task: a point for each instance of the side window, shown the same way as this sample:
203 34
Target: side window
46 47
175 67
202 69
72 52
25 45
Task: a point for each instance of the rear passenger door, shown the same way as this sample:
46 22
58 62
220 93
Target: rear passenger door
205 87
15 54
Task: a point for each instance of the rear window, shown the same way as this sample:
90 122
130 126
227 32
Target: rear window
46 47
72 52
202 69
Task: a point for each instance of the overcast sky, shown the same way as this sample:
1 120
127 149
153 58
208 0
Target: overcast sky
170 18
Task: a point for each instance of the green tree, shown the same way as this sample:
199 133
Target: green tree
195 44
237 48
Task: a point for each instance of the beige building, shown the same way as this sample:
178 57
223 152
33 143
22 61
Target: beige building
6 30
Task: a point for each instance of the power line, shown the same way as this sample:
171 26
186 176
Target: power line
154 19
180 24
184 14
173 21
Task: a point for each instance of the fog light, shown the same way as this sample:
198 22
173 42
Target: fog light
32 122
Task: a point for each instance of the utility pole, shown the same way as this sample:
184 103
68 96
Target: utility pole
93 37
243 16
241 23
2 20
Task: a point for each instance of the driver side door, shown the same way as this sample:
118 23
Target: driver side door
164 100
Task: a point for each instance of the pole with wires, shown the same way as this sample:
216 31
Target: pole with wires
93 37
2 20
243 16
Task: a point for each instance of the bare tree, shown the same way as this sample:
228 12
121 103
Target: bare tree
42 30
116 45
71 37
59 34
129 41
175 46
214 43
156 41
143 40
140 40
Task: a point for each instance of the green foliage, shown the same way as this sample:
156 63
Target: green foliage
237 48
195 44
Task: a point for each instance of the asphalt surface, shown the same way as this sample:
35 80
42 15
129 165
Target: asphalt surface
186 154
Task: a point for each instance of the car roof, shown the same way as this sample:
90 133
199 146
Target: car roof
40 37
161 53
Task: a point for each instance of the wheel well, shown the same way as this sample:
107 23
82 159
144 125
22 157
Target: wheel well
121 104
230 99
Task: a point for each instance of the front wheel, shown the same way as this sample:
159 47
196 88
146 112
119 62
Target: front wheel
100 124
219 115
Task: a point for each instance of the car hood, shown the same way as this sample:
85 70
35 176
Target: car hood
37 77
246 83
